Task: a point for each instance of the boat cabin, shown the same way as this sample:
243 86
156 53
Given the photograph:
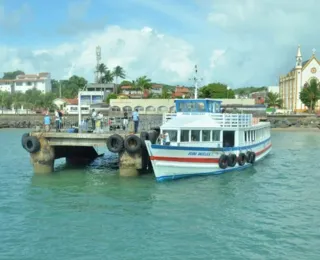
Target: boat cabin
201 123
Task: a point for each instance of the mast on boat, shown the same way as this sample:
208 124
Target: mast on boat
196 80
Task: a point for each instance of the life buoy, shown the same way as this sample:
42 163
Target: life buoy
241 159
31 144
144 136
115 143
251 156
132 144
232 160
223 161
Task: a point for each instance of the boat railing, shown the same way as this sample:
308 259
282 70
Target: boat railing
234 120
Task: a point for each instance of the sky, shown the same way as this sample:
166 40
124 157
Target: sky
237 42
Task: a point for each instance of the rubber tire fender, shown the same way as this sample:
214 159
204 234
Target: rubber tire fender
223 161
132 148
23 139
32 144
242 159
115 143
144 136
153 136
232 160
251 157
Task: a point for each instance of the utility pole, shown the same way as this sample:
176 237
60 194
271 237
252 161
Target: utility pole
196 80
60 88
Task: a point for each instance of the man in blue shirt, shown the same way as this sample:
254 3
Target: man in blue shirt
47 122
135 118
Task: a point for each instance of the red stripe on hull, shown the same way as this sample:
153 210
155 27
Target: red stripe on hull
197 160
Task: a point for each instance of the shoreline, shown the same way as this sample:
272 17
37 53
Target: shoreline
297 129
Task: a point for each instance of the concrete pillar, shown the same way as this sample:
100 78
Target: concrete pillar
130 164
43 161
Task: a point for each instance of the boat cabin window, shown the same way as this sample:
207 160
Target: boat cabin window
184 136
173 135
228 138
215 135
205 135
195 135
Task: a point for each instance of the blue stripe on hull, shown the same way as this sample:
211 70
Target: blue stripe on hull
185 176
225 149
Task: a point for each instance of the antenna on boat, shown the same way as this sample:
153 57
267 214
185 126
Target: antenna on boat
196 80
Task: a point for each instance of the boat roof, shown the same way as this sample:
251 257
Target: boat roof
198 121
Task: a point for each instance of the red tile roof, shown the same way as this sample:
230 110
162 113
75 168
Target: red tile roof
71 101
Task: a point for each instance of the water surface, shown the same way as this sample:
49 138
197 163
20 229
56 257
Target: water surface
270 211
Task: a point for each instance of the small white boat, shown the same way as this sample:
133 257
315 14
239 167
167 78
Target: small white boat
204 141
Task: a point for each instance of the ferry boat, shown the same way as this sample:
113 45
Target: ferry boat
204 141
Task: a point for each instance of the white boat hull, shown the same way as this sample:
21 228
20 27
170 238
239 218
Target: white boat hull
174 162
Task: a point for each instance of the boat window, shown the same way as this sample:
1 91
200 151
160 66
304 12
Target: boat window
184 137
228 138
245 136
173 135
195 135
205 135
215 135
201 107
253 135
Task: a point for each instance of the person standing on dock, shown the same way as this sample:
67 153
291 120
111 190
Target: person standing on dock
57 120
47 122
135 118
93 119
125 120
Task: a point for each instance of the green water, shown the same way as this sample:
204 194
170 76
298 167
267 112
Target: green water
271 211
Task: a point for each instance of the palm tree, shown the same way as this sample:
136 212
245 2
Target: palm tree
143 83
273 100
101 70
310 94
108 77
118 72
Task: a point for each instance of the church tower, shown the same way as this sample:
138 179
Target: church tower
298 85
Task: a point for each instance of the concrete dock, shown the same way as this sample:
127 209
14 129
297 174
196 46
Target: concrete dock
78 148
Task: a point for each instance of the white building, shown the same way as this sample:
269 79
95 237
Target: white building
273 89
22 83
291 84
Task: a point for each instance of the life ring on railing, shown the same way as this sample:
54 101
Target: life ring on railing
223 161
241 159
232 160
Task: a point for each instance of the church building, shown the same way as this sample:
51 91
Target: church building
291 84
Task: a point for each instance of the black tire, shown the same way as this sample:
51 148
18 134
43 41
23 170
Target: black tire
32 144
144 158
156 128
251 157
144 136
23 139
132 144
242 159
115 143
223 161
153 136
232 160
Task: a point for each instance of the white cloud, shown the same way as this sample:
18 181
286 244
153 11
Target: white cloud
238 42
139 52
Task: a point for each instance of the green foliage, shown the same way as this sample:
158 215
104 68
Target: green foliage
273 100
126 83
310 94
31 100
111 96
216 90
143 83
12 75
69 88
248 90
